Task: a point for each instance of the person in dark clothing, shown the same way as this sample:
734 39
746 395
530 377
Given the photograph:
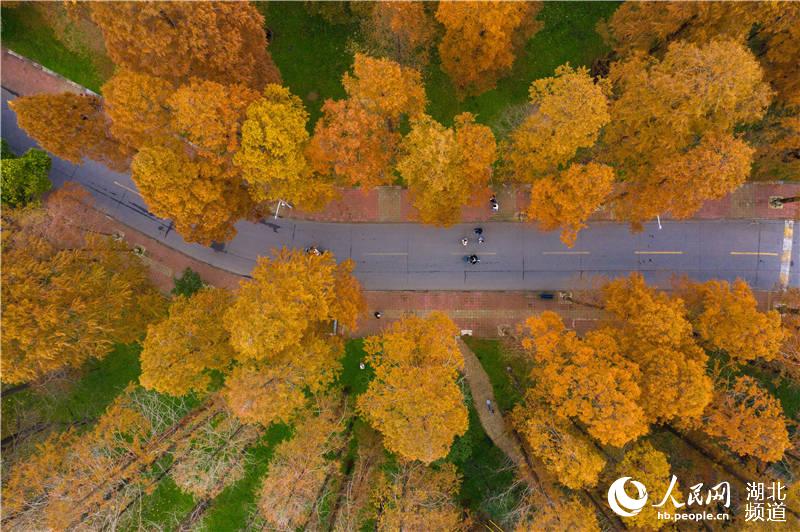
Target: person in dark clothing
473 259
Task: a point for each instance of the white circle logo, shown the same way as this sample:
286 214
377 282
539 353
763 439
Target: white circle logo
621 503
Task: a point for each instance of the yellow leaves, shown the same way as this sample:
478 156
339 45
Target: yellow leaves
420 498
650 467
567 199
570 109
178 352
569 514
748 420
564 451
728 319
585 379
384 87
445 168
660 111
402 31
264 394
414 400
354 144
203 203
481 40
272 157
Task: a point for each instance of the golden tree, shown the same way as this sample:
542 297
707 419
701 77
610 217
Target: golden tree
61 308
564 451
781 27
652 331
71 126
196 195
660 110
284 350
417 497
567 199
647 465
298 471
482 39
748 420
353 144
217 41
414 400
726 317
569 514
271 155
180 351
585 379
384 87
137 106
401 31
209 116
789 357
444 168
570 109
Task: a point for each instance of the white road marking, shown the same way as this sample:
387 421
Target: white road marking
658 252
127 188
757 253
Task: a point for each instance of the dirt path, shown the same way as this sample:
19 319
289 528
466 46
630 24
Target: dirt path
493 423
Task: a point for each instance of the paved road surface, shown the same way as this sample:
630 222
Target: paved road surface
515 256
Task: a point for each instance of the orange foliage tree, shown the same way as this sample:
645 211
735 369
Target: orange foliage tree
195 194
417 497
444 168
218 41
646 464
482 39
569 514
61 308
652 331
71 126
748 420
564 451
386 88
137 106
298 471
283 349
414 400
585 379
660 110
353 144
726 317
401 31
180 351
567 199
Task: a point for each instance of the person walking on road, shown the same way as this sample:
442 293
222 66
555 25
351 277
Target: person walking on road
464 241
489 406
473 259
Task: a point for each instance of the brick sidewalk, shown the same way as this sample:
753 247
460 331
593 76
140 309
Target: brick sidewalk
392 204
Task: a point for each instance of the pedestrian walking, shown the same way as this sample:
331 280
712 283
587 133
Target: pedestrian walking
473 259
464 241
478 231
378 314
481 240
361 365
489 406
493 203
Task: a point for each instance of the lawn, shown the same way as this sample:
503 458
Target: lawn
25 32
101 381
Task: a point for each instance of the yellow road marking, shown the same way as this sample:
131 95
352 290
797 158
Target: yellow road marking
127 188
398 254
767 253
478 253
565 252
659 252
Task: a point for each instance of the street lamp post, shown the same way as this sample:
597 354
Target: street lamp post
280 204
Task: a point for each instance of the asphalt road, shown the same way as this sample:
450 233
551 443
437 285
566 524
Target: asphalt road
515 256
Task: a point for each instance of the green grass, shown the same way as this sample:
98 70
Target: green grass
484 472
310 53
101 382
568 35
232 508
25 32
495 361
